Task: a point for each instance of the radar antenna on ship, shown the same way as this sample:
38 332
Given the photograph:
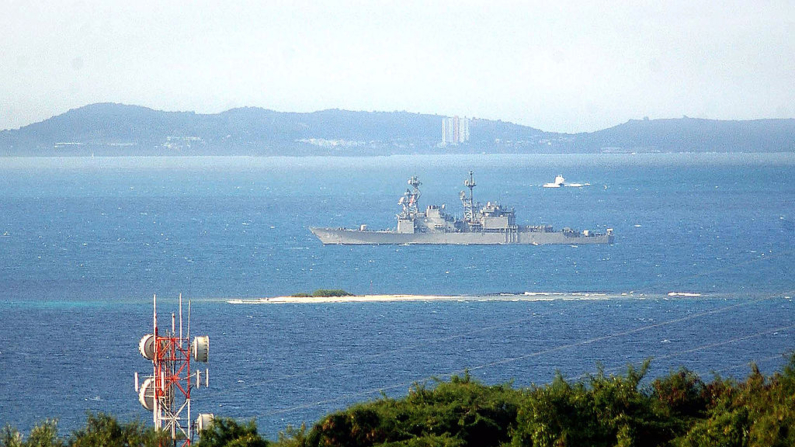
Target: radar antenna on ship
415 183
411 198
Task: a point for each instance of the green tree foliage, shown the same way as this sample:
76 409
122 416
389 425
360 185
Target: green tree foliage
607 411
683 393
101 430
461 412
104 430
757 412
10 437
45 435
224 432
331 292
292 437
675 410
678 410
324 293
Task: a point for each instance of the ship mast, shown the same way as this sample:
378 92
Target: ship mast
469 204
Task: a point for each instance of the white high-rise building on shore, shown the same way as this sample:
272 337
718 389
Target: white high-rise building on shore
455 130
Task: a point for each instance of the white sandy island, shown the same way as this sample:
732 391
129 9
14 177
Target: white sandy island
344 299
527 296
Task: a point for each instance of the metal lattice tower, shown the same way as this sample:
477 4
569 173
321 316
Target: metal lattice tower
167 392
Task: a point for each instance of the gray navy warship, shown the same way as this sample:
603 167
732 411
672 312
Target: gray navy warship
490 224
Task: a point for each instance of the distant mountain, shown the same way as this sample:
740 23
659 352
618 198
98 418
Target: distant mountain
116 129
692 135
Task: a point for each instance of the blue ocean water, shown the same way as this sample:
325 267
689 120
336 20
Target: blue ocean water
86 242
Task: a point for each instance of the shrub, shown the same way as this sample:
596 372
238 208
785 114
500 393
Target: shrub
456 413
331 292
683 392
104 430
323 293
225 432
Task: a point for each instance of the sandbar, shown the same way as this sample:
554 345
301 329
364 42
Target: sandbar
537 296
344 299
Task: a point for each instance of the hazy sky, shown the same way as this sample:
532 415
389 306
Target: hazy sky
555 65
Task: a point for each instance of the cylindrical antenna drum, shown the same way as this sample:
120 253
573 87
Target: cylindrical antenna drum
147 346
146 394
201 348
204 421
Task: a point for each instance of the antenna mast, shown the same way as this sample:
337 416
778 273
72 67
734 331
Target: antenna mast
166 393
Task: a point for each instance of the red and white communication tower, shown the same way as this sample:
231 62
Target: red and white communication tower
166 393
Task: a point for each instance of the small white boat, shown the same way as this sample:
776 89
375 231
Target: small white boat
560 181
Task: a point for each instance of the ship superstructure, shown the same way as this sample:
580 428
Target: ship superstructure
489 224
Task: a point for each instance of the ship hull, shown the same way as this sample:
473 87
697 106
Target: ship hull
345 236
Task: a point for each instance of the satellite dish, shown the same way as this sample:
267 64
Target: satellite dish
204 421
201 348
147 346
146 394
